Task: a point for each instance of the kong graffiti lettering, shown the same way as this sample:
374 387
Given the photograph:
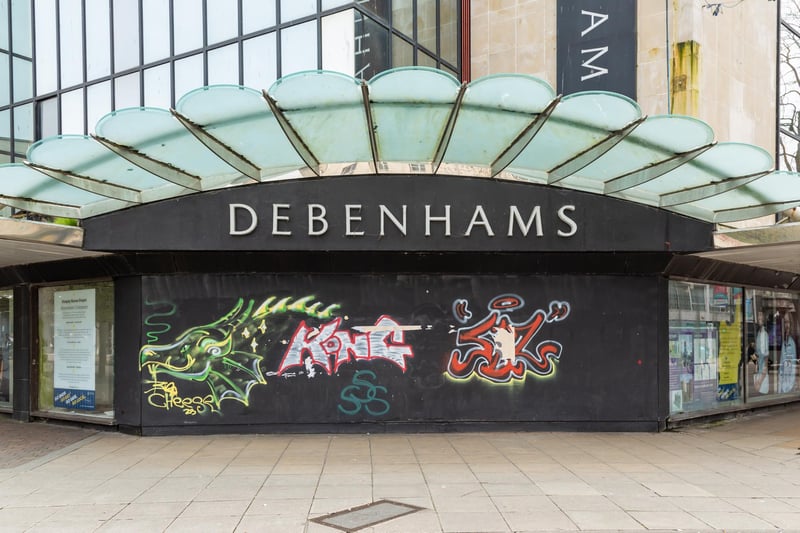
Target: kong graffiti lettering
330 347
500 349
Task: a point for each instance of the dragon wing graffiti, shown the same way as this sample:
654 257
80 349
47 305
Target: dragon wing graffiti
222 354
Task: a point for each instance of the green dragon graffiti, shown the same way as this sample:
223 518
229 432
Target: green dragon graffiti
224 355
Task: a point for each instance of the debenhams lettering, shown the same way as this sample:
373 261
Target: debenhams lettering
516 221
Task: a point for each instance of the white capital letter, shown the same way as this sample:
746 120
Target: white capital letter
386 213
313 218
562 216
351 211
277 218
479 214
598 71
253 220
515 216
429 219
592 25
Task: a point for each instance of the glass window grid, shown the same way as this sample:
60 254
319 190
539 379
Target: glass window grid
773 375
10 150
16 150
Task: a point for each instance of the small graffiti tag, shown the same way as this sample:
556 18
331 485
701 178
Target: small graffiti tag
495 348
363 395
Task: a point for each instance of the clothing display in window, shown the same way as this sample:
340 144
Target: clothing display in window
786 376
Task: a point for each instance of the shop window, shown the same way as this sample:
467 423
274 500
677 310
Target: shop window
705 347
6 349
771 333
76 350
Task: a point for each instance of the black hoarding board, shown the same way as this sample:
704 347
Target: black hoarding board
596 46
259 350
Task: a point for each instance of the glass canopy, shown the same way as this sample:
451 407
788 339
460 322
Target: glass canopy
405 121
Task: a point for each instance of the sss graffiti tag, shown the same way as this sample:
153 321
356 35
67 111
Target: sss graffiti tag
363 395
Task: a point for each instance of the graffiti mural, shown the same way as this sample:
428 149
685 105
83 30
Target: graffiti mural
223 355
497 348
232 354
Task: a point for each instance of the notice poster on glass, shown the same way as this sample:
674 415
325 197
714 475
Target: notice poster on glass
75 346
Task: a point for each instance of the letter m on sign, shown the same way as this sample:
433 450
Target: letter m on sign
596 46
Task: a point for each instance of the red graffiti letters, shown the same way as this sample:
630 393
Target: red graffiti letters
496 348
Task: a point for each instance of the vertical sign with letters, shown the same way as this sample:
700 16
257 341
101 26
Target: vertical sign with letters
596 46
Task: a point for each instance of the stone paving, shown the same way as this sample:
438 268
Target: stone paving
738 475
21 443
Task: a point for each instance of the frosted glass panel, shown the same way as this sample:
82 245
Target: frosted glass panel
126 91
223 65
21 22
257 15
99 103
157 88
71 33
155 15
72 112
4 27
23 79
5 88
23 127
46 55
295 9
98 40
260 61
223 20
299 48
126 35
188 25
188 74
48 117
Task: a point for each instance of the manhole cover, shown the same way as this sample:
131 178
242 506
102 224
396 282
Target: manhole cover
366 515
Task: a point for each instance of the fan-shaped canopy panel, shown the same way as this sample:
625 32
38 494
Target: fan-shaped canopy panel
405 121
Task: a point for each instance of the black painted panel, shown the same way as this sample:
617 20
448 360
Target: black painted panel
213 359
482 213
23 353
127 384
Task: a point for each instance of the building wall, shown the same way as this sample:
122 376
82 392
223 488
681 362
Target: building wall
703 65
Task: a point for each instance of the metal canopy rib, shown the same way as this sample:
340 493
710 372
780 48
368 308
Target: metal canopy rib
159 168
220 149
297 142
103 188
573 165
524 138
651 172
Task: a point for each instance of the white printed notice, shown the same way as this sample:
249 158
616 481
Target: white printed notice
75 346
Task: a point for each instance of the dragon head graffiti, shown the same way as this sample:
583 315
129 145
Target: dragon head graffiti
225 355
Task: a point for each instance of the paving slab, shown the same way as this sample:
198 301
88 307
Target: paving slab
741 474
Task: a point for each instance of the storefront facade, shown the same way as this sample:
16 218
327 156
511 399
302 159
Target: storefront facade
348 305
487 255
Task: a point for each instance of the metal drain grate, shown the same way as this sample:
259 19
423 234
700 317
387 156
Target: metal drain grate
366 515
